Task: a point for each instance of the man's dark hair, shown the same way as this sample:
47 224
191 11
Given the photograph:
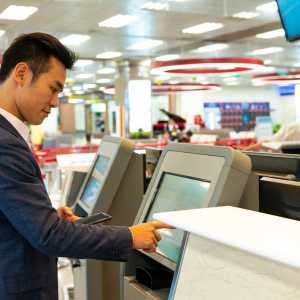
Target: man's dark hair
35 49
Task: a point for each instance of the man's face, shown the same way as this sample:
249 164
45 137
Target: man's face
34 100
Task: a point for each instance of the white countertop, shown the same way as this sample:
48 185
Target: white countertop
268 236
74 161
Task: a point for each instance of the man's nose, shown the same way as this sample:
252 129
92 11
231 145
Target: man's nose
54 101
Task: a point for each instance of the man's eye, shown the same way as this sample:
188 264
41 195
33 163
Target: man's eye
53 89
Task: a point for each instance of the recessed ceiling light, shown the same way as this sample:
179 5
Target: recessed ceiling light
271 34
17 12
230 79
213 47
117 21
269 7
162 78
146 44
258 83
246 15
106 71
167 57
156 5
84 76
109 55
74 39
265 51
83 63
202 28
146 62
103 80
173 81
267 61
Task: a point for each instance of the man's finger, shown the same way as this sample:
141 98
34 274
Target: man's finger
157 235
161 225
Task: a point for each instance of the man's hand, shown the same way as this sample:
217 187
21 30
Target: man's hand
145 236
67 214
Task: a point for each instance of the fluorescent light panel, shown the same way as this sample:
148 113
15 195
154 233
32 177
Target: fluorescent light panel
265 51
109 55
146 62
167 57
83 63
213 47
230 79
246 15
146 44
87 86
271 34
74 39
156 6
2 32
270 7
106 71
117 21
103 80
85 76
202 28
173 81
17 12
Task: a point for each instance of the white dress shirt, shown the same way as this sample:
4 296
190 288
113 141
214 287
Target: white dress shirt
290 132
20 126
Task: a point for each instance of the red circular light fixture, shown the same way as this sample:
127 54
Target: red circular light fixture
276 78
208 66
169 88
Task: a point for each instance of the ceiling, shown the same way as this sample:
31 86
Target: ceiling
63 17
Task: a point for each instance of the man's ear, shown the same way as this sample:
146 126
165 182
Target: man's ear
21 73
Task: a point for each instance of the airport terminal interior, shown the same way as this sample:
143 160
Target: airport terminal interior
185 112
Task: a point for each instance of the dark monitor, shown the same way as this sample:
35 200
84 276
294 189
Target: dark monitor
176 192
291 148
289 11
275 163
74 187
279 197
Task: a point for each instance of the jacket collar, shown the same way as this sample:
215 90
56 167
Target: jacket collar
7 126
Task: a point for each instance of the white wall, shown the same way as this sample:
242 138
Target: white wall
283 109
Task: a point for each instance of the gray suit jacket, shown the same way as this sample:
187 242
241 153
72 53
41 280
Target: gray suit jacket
31 233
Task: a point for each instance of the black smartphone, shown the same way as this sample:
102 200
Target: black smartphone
95 218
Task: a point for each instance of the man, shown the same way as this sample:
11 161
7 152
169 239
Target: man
287 133
33 233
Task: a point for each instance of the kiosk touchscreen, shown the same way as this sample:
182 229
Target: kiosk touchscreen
104 176
176 193
187 177
113 185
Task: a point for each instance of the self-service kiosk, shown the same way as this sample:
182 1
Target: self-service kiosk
186 177
114 185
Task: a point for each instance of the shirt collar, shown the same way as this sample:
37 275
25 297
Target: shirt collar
20 126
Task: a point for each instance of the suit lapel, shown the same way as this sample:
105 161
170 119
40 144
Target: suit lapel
11 129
